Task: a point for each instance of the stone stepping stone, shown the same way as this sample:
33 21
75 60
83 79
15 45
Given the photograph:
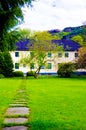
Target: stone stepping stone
15 128
15 120
17 105
14 111
22 91
24 101
19 102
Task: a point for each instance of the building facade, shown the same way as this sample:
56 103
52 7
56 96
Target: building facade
69 54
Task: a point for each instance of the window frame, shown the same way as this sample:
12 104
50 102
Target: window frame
49 66
49 54
16 54
76 54
16 65
66 54
59 54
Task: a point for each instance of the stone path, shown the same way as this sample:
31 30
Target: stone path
16 116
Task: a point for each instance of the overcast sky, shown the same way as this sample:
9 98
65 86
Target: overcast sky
54 14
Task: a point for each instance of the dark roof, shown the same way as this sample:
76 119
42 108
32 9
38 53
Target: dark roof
22 45
54 31
68 45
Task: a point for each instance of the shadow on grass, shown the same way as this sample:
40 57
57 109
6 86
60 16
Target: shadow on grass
43 125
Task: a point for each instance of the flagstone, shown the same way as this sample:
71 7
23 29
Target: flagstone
19 102
17 105
15 128
12 111
15 120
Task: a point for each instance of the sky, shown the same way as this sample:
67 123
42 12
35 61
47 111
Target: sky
54 14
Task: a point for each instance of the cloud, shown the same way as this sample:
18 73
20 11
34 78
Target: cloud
53 14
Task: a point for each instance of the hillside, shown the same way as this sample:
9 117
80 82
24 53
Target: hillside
70 32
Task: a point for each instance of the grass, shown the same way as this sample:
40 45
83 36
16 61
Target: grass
8 89
57 103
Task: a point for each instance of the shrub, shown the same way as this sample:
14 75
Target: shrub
1 76
65 69
6 64
1 63
18 74
30 73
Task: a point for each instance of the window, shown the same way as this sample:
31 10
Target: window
24 65
43 67
66 54
49 66
32 66
59 54
16 65
76 55
16 54
49 54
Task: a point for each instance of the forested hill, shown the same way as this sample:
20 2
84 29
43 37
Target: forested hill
80 30
77 34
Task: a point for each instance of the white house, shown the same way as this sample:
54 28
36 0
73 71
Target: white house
69 55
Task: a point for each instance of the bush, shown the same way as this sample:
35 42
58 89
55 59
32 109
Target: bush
30 73
1 76
6 64
65 69
18 74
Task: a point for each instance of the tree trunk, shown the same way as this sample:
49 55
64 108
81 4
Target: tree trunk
37 72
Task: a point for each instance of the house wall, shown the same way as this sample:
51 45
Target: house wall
58 58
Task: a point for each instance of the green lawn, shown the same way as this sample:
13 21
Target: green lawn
57 104
8 89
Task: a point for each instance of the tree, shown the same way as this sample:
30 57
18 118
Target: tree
9 40
14 36
78 39
10 15
81 61
6 64
40 48
1 63
25 34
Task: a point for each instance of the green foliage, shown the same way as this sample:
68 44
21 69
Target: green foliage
18 74
81 61
65 69
39 49
10 16
78 39
1 76
62 34
25 33
6 64
1 63
77 34
30 73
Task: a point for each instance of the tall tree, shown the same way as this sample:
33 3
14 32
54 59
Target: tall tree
10 15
